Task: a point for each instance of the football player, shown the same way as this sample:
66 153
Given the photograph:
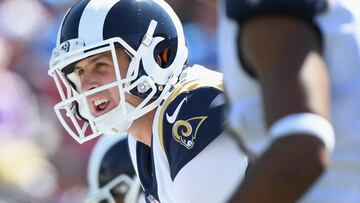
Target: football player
292 76
120 65
111 176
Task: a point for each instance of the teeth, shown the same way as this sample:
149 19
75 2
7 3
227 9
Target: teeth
100 101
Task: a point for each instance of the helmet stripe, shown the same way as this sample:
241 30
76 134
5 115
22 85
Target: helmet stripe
92 20
70 24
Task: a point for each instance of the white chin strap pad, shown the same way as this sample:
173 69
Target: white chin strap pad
114 121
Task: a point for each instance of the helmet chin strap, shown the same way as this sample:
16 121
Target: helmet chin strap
112 122
115 120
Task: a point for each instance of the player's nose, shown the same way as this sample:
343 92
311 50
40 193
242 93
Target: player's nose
89 81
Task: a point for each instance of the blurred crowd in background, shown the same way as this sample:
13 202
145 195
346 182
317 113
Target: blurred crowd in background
39 161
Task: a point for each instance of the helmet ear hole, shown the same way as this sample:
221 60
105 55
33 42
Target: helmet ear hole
165 55
163 58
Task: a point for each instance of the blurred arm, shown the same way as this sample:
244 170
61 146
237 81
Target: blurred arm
285 54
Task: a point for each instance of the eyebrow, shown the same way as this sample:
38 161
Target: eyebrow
93 59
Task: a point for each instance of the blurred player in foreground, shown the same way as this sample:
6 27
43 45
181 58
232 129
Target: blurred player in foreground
292 73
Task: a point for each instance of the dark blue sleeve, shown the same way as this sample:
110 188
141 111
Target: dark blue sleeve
199 121
242 10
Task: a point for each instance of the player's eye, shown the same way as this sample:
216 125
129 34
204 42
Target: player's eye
100 65
78 71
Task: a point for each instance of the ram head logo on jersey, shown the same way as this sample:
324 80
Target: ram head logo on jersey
185 132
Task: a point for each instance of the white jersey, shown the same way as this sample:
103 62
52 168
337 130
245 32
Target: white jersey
192 158
340 27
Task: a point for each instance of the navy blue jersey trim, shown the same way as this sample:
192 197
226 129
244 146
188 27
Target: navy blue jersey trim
146 169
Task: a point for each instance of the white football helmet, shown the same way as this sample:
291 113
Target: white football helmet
110 172
145 29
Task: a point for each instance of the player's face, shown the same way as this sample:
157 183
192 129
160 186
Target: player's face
96 71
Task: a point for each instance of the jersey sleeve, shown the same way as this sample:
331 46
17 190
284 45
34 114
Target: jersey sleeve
214 174
191 120
242 10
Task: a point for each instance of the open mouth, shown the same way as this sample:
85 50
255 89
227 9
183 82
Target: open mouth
101 105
